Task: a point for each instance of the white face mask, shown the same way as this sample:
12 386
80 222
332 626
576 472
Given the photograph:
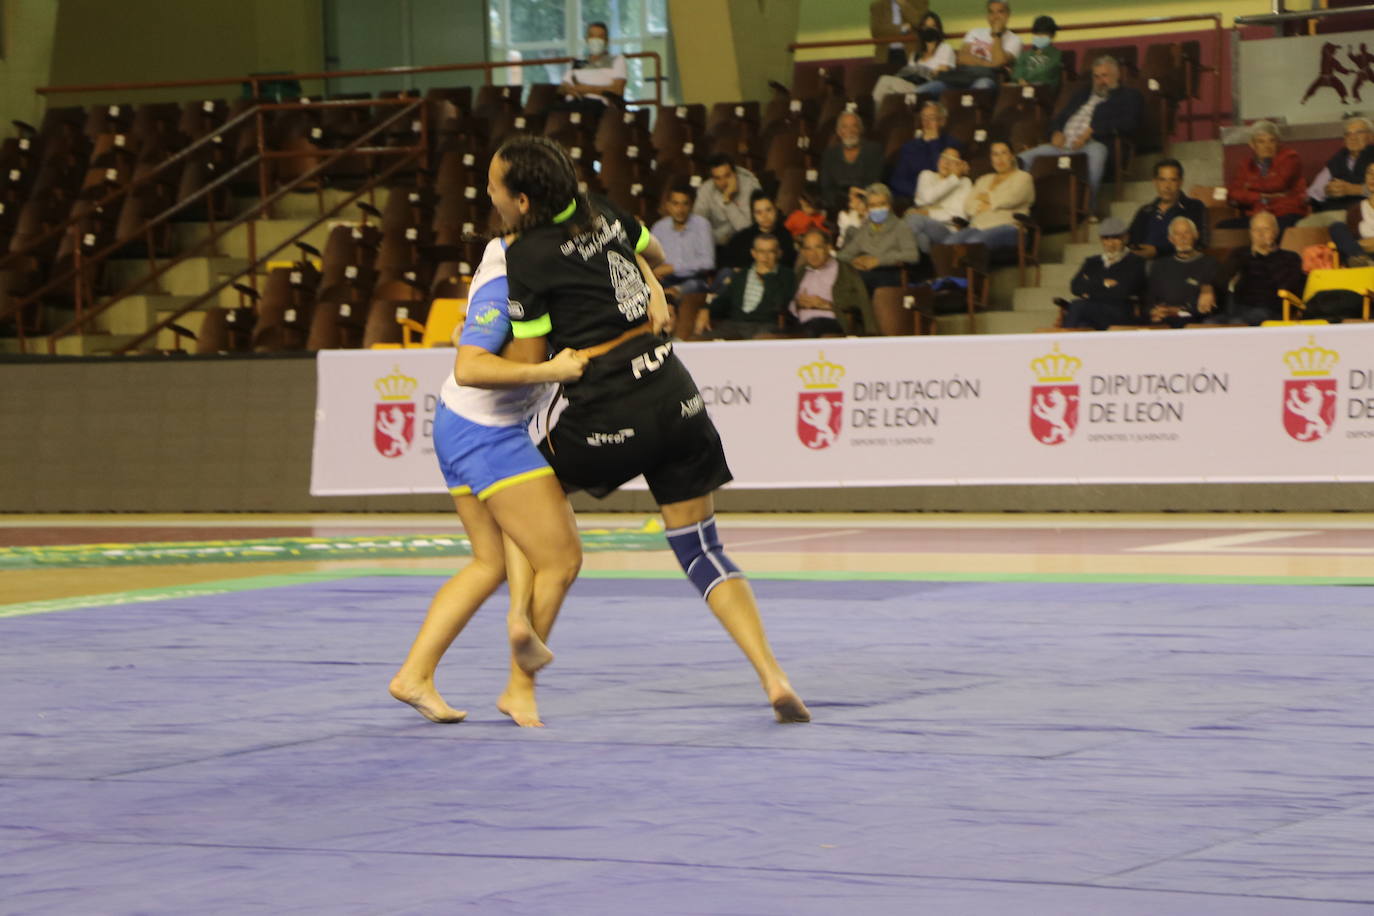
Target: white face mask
596 46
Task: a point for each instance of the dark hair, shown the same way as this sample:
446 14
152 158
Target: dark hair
716 160
1044 25
759 195
541 169
1005 3
768 237
811 193
598 25
682 187
939 24
1169 162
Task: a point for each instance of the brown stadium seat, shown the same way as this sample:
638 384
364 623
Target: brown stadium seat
391 300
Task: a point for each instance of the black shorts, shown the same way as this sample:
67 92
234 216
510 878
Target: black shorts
657 427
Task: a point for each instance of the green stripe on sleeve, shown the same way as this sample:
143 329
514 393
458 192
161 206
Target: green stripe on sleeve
644 239
537 327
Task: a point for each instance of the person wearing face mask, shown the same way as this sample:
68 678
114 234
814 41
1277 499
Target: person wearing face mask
879 248
1108 285
921 74
589 87
853 162
895 21
1041 64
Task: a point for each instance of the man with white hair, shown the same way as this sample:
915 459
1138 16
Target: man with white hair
1341 182
1093 118
1184 283
853 162
1270 181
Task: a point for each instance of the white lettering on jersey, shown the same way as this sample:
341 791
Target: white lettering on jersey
631 292
692 407
652 361
616 438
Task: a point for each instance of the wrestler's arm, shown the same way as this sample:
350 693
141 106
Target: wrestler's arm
523 363
660 316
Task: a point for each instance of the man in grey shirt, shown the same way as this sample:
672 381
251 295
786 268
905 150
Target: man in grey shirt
725 201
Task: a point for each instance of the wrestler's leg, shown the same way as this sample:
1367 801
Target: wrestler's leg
536 516
527 649
517 700
449 611
732 601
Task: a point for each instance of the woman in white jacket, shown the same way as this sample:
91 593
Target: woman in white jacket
940 198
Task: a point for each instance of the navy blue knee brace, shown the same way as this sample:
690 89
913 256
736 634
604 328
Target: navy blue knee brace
698 550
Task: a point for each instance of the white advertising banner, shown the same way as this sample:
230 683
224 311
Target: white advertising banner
1238 405
1307 78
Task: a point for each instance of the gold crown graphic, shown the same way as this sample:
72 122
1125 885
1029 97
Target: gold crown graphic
821 374
1056 366
396 386
1311 360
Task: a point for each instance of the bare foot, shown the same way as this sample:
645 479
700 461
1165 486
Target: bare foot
520 706
426 700
527 648
787 706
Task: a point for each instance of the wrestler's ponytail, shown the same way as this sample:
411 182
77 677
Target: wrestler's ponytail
543 171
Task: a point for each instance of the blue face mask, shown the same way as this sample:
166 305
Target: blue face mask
1041 41
878 214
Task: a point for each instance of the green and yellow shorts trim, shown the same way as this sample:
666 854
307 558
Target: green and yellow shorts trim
484 460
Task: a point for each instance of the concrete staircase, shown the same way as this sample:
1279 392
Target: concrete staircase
1016 309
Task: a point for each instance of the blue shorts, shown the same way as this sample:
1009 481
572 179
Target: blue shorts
483 460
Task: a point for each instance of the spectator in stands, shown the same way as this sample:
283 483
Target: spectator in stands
810 212
894 19
755 299
994 203
986 53
826 290
1183 283
856 215
921 74
588 87
1041 64
1109 286
879 247
941 197
1092 119
852 163
725 201
688 249
1260 270
1356 248
1269 182
921 153
1341 183
738 252
1152 227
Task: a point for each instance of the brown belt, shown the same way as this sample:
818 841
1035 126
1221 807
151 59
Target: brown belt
602 349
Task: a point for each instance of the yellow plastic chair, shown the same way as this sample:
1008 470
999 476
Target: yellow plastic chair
1354 279
444 317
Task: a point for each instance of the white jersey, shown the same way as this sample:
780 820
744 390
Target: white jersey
487 325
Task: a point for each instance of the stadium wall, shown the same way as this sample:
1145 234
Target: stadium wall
235 435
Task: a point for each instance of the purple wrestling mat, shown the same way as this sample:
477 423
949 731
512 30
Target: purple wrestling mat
978 749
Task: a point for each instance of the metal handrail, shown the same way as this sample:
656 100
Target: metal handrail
1294 15
253 213
124 190
413 153
1214 18
256 80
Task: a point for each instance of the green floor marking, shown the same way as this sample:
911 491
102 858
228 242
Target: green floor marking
259 550
250 583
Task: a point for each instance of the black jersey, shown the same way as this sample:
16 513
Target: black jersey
580 291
